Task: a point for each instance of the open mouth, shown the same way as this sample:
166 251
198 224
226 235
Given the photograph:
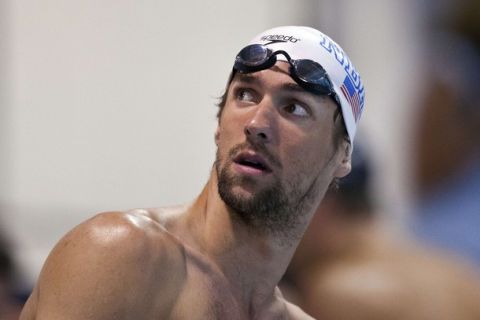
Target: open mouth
252 161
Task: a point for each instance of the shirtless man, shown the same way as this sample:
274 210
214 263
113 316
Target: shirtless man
284 134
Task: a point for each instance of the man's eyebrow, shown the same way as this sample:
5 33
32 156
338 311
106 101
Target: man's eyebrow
293 87
246 78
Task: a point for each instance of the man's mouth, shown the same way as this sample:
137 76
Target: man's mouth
253 161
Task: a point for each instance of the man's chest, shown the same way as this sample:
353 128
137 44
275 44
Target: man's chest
206 298
208 294
203 299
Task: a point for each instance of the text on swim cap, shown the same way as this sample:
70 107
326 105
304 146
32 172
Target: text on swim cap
279 38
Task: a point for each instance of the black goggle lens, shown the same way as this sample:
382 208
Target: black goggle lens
253 55
313 75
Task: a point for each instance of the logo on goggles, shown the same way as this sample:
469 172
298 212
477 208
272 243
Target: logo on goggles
274 38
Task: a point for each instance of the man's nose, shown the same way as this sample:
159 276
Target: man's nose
259 127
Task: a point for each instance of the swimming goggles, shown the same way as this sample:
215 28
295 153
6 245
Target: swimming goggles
309 74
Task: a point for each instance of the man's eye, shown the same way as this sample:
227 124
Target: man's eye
297 110
245 95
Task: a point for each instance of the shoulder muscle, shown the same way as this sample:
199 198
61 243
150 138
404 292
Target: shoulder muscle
112 266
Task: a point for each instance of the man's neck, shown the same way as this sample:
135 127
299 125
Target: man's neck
252 261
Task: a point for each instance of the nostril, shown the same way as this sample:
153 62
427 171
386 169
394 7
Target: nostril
257 133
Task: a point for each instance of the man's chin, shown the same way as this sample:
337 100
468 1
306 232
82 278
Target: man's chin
247 187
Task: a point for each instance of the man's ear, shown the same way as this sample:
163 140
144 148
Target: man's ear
345 165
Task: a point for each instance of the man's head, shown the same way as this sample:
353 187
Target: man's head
286 123
316 61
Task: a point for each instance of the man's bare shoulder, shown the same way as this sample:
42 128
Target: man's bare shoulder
165 216
111 266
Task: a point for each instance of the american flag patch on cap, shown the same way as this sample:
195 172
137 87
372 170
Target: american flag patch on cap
352 96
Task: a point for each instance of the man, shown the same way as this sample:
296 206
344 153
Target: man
284 133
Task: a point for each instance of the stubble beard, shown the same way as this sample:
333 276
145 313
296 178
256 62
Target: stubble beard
276 209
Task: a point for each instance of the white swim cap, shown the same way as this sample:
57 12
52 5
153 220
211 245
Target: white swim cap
308 43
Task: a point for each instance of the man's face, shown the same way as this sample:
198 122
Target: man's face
276 154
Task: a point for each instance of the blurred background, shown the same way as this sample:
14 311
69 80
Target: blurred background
111 105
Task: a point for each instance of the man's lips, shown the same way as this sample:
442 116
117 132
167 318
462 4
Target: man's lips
252 160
